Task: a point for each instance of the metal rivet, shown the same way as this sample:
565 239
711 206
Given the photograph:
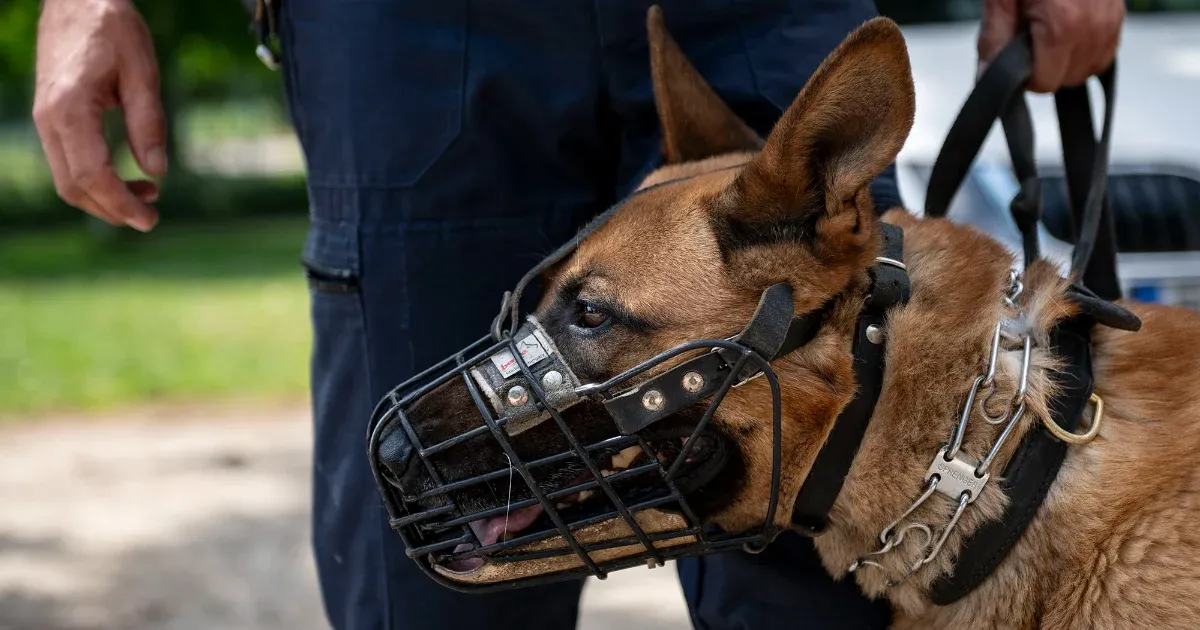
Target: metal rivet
517 396
653 400
552 379
875 334
692 381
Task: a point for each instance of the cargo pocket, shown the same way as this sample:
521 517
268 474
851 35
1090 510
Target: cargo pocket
375 86
331 266
330 259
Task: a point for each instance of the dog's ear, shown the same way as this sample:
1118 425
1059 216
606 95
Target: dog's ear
810 181
696 123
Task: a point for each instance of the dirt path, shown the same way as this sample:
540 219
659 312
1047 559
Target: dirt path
194 520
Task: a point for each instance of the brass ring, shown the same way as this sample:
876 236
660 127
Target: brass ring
1079 438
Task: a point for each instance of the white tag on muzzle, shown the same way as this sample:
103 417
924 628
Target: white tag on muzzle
504 384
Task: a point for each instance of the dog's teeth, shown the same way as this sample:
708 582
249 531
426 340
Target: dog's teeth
586 494
606 472
626 457
561 505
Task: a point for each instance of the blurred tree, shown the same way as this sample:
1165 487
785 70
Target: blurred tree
17 20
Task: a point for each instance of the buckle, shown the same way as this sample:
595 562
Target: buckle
721 351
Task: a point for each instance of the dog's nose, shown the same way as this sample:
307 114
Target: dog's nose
396 456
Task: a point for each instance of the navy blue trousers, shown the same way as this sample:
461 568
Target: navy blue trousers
449 145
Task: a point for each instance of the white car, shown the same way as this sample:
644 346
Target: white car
1154 183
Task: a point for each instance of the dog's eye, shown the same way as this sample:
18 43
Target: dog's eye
588 316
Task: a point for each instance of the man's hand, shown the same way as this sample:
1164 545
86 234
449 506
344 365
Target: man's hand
95 55
1072 39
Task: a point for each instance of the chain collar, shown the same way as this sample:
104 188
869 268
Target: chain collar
952 472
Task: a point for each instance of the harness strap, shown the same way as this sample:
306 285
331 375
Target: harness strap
1032 470
889 287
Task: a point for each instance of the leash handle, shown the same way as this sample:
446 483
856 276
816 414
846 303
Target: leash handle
1000 94
1086 167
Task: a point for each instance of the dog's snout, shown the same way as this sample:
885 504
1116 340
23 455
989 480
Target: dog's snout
396 456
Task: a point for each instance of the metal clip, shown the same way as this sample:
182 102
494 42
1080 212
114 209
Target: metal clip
267 56
957 475
268 35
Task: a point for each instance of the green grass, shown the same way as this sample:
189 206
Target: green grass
95 318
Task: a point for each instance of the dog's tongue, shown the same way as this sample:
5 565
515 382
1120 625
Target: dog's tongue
489 531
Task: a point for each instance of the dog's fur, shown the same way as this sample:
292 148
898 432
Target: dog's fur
1116 543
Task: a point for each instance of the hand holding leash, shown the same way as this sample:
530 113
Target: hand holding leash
1072 39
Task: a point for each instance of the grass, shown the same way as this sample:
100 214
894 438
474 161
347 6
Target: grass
93 318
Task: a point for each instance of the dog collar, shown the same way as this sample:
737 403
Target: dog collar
889 288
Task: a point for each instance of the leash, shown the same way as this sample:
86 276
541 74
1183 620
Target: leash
1027 478
1000 94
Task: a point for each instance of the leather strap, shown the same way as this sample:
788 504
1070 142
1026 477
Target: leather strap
889 287
1086 170
1032 470
999 94
774 331
1035 464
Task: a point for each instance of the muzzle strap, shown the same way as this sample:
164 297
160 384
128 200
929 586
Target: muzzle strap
685 384
774 331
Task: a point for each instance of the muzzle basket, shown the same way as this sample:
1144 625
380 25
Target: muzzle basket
434 536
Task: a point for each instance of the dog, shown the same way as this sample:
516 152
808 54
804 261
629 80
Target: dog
1115 542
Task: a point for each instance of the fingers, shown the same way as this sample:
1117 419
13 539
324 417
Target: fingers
91 57
1052 56
1072 40
999 26
64 185
145 122
90 170
145 190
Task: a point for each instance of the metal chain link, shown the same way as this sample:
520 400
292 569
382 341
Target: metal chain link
952 472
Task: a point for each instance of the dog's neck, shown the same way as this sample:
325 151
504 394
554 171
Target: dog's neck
937 346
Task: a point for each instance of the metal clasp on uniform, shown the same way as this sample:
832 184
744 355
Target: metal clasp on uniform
268 34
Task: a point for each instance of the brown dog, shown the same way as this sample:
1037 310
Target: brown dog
1114 545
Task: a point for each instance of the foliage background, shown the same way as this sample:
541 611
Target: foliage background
212 304
214 90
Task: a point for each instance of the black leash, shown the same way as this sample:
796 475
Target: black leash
1000 94
1037 460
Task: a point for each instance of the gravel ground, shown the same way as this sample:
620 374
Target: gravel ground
194 519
